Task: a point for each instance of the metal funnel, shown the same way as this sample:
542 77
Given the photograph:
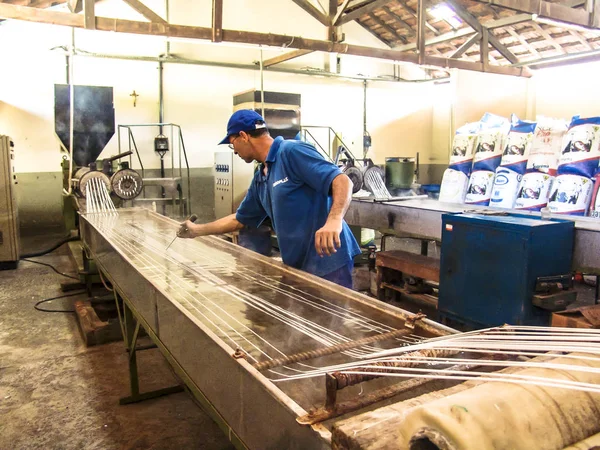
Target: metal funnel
93 120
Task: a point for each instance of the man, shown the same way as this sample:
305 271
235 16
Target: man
305 196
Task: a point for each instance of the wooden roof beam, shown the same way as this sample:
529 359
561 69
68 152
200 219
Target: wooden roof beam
413 13
547 36
310 9
217 20
248 37
363 10
75 6
530 48
397 18
145 11
341 10
285 57
472 21
562 12
378 37
466 46
387 27
89 15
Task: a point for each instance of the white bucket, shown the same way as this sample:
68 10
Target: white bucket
534 191
454 186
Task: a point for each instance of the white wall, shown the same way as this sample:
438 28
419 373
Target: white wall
566 91
403 118
199 98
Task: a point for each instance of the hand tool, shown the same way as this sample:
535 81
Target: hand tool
192 218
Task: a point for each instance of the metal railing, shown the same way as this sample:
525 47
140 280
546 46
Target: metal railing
182 153
333 154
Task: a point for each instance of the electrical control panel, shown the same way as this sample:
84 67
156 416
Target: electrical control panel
9 222
232 178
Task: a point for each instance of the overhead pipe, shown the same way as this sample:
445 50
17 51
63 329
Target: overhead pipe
178 60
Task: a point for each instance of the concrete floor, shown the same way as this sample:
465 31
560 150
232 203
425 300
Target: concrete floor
57 394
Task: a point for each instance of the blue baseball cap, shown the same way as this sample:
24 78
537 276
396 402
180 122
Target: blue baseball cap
243 120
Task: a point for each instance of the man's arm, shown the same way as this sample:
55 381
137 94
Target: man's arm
225 225
327 238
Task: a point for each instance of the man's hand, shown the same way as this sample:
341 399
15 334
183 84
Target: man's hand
327 238
188 230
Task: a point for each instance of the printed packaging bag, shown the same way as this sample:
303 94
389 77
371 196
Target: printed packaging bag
516 151
534 191
546 145
454 186
490 142
463 146
581 148
571 194
479 191
506 187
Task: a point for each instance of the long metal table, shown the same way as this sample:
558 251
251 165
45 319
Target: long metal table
216 310
422 218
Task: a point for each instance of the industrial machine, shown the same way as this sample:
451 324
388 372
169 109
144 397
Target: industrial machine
169 188
230 321
232 179
491 264
280 110
9 222
282 359
93 119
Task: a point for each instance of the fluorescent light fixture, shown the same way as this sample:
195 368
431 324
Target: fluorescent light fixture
442 11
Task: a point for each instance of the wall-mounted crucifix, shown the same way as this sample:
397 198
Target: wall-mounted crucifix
135 96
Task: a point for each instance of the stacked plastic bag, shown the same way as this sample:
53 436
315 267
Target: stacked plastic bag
540 174
456 176
482 154
488 156
577 168
526 165
513 165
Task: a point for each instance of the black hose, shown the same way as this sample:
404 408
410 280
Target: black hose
51 249
52 267
37 305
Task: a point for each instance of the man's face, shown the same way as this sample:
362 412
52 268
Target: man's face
241 146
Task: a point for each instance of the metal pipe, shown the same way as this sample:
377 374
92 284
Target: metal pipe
161 106
71 109
365 148
317 73
167 19
311 354
262 80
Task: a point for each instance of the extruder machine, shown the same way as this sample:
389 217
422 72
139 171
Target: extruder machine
90 183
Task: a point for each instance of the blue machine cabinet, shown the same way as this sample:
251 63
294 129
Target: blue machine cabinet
489 266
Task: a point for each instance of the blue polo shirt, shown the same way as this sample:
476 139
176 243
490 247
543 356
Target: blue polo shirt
295 194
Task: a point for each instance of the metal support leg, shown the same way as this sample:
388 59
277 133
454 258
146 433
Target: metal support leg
597 297
424 247
131 331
